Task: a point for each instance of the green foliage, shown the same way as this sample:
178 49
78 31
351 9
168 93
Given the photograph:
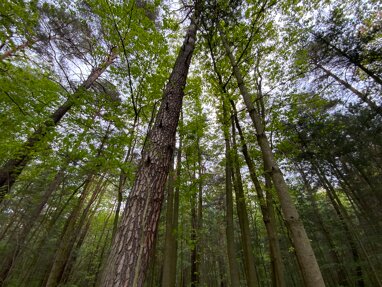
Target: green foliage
317 129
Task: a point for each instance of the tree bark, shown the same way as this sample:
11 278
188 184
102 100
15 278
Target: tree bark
305 254
133 243
195 268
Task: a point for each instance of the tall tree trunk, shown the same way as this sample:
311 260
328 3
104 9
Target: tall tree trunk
170 252
95 267
266 207
169 241
10 171
75 221
195 268
199 246
69 235
241 206
83 228
230 233
305 254
340 211
134 239
342 278
123 176
40 239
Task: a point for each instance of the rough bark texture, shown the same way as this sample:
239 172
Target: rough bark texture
307 260
14 166
134 240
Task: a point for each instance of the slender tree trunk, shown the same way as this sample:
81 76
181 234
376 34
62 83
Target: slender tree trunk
10 171
342 278
363 97
102 253
70 234
230 233
195 279
135 236
47 233
27 226
199 246
348 227
271 225
174 257
170 252
241 206
351 59
83 228
266 207
123 177
339 209
71 261
305 254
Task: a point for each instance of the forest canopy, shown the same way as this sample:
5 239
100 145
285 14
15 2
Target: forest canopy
195 143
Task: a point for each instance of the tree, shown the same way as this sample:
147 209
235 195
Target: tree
279 118
137 230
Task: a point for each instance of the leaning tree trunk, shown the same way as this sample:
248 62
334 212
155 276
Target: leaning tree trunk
70 233
133 243
10 171
363 97
356 62
307 260
346 224
18 239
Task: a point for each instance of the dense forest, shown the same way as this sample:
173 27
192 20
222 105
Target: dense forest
195 143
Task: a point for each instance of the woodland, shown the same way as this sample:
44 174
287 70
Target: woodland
195 143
